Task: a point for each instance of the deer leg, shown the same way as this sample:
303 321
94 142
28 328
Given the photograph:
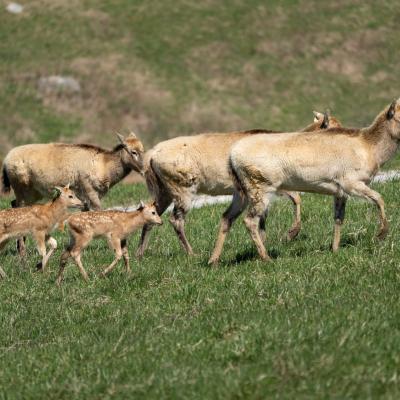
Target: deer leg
162 204
21 248
76 255
63 262
339 212
3 242
362 190
236 207
125 255
90 194
40 238
53 245
261 225
177 220
295 198
115 244
256 211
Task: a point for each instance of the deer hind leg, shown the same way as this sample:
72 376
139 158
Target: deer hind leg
177 220
360 189
258 203
162 203
115 244
236 207
295 198
78 243
125 255
66 254
339 212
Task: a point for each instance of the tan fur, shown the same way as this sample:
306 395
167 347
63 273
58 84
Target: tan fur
38 220
116 226
340 162
177 169
34 169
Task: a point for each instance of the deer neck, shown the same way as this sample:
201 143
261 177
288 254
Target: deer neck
135 220
57 211
115 167
384 144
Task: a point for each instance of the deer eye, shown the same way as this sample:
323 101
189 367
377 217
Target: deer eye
153 212
70 196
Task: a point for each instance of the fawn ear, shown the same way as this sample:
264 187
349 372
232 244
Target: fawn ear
318 116
141 205
132 135
56 192
391 111
67 187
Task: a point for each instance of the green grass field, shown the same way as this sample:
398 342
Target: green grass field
310 324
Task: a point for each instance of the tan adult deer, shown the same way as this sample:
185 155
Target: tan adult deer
341 162
38 220
116 226
177 169
34 169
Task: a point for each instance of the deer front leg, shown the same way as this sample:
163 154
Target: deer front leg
20 240
339 212
90 193
40 238
115 244
362 190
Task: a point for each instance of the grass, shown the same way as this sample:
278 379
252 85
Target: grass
311 324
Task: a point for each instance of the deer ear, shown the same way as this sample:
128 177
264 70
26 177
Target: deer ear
121 138
58 189
318 116
325 122
141 206
391 111
67 187
132 135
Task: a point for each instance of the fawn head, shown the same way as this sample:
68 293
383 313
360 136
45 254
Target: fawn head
149 213
68 197
326 120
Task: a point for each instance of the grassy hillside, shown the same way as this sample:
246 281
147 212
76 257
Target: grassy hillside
310 324
171 67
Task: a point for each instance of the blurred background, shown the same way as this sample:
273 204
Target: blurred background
77 70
